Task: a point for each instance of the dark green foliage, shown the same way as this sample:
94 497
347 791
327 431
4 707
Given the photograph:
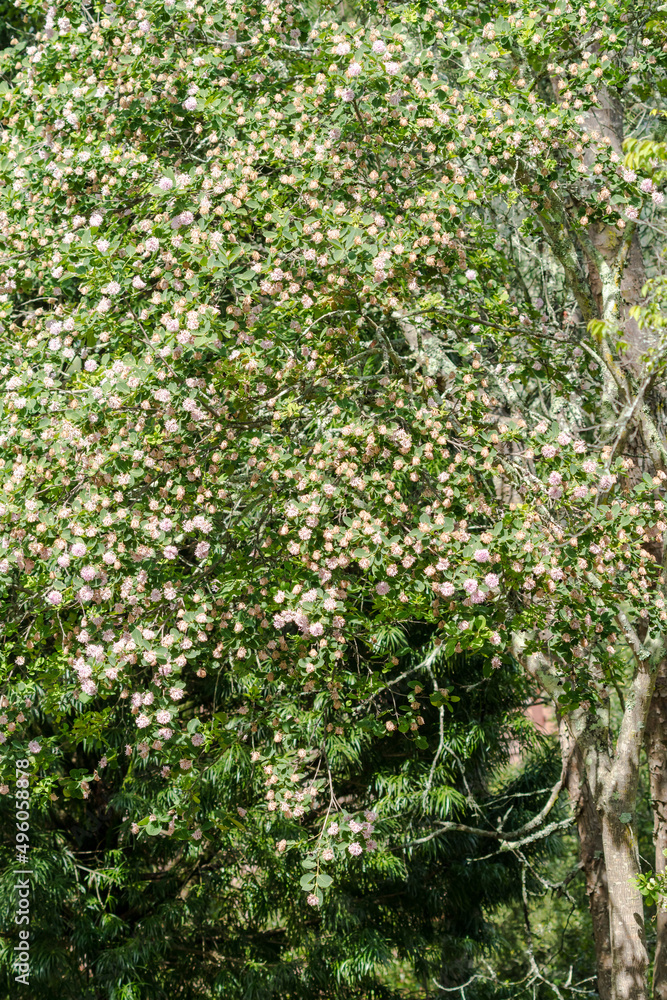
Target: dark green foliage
120 917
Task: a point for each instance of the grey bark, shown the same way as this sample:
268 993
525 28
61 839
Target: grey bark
591 857
656 749
616 802
612 774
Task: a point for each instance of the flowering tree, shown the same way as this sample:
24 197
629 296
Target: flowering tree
319 329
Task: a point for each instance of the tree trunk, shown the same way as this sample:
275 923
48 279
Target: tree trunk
616 803
656 749
612 775
626 907
591 857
